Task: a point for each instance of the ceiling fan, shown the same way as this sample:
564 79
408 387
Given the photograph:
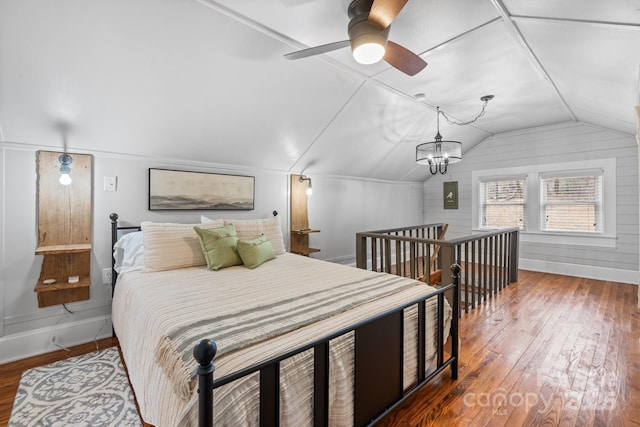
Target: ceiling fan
368 29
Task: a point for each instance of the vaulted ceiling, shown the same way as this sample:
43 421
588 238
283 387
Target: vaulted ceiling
206 80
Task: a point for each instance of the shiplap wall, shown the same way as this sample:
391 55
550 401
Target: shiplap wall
545 145
340 206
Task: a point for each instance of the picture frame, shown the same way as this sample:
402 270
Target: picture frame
185 190
450 194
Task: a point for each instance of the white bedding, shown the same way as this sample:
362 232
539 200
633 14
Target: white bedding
148 306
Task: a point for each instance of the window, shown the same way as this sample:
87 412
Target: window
503 202
571 202
568 203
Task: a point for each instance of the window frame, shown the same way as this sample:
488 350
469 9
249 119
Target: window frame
597 203
501 178
533 231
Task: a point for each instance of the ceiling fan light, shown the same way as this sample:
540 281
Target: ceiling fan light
368 42
368 53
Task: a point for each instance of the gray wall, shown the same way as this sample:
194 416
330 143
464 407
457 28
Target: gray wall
340 207
568 142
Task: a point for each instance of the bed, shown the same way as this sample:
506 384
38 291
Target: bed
299 341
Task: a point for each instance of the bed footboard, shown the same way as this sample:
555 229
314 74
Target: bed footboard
378 355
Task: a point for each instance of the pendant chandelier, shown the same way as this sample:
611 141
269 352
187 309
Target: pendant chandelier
438 154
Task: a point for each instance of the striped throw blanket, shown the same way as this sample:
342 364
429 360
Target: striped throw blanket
234 331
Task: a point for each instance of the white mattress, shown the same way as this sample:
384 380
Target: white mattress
149 306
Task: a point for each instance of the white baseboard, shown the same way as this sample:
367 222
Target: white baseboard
39 341
587 271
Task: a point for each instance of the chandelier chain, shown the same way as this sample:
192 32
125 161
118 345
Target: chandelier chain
438 154
453 122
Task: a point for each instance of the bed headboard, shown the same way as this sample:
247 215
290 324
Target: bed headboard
116 233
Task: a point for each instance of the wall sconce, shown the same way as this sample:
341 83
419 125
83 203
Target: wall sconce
309 187
65 160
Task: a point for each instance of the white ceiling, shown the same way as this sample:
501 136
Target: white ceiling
206 81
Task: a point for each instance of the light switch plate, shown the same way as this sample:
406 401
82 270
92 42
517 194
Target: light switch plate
110 183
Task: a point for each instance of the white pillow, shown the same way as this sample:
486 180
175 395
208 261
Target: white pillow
169 246
204 219
128 252
249 229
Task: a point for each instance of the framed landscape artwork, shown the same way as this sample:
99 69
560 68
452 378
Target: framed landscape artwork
182 190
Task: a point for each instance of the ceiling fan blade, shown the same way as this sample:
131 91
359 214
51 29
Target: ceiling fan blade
403 59
318 50
383 12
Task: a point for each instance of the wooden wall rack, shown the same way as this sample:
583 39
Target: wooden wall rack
299 218
64 229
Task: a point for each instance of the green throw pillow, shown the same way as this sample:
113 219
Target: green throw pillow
219 246
256 251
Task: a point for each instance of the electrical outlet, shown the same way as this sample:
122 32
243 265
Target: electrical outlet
106 276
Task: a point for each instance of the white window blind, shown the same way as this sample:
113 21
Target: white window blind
503 202
571 202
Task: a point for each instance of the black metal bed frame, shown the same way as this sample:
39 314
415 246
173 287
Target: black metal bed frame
378 361
378 367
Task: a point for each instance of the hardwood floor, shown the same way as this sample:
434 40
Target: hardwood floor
549 350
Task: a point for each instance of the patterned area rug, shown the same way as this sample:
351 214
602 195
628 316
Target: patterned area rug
88 390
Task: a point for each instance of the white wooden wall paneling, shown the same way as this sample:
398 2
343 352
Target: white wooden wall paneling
551 144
